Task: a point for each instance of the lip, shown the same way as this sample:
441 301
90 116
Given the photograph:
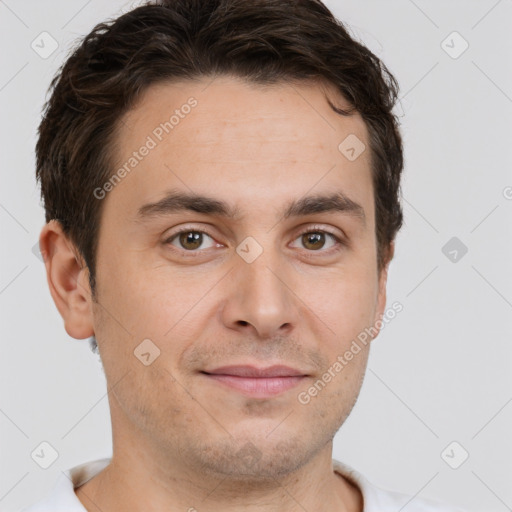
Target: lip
277 370
257 382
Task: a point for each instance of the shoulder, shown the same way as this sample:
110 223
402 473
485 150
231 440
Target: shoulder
377 499
62 497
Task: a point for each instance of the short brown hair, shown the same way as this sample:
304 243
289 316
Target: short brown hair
262 41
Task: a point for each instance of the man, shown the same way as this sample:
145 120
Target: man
221 184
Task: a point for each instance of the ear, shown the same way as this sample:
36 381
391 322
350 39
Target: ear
381 297
68 280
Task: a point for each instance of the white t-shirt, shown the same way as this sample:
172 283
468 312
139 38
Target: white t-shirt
62 497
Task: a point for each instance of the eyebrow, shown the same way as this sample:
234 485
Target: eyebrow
177 201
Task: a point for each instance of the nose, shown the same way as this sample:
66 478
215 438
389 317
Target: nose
261 299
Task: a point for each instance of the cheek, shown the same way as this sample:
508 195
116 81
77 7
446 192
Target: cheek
344 301
166 305
142 301
152 303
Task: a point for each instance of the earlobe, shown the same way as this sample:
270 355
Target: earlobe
67 280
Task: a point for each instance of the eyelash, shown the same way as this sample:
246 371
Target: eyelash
340 243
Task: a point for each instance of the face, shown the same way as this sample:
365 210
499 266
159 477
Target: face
252 273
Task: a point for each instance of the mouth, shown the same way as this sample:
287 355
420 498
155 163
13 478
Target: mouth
257 382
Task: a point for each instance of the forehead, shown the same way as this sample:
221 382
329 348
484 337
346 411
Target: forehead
245 143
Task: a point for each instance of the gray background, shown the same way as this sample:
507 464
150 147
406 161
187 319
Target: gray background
438 373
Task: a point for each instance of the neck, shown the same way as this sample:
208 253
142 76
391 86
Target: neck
145 475
133 478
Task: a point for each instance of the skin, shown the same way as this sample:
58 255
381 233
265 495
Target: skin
176 433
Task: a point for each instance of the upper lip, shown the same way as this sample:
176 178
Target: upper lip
252 371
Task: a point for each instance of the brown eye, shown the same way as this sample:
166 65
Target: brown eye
313 240
190 240
319 240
